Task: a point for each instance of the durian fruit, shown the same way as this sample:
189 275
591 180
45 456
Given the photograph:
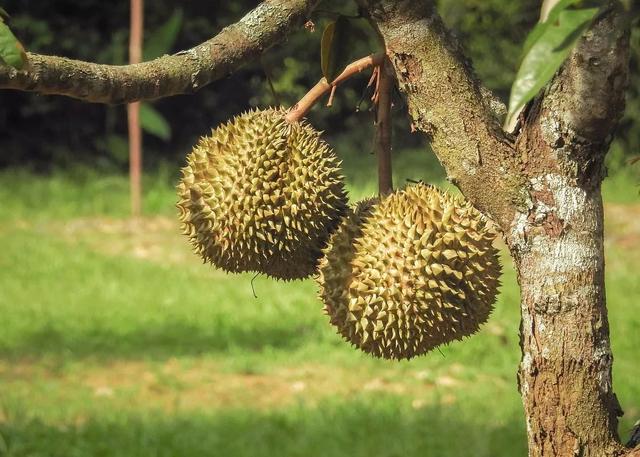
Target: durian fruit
261 194
407 273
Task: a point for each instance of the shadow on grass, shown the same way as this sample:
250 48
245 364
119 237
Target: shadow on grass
160 341
385 426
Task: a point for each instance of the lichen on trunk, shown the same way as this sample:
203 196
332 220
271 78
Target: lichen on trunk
565 372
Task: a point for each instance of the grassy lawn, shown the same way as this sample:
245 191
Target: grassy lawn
116 341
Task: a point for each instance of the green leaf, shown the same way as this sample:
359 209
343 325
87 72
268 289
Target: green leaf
559 8
3 14
540 27
11 50
325 47
153 122
161 41
546 54
334 47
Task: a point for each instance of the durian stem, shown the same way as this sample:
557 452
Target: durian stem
300 109
383 127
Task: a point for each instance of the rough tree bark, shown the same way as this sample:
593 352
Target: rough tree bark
181 73
565 374
541 184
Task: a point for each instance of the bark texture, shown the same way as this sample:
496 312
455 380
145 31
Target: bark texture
542 187
184 72
557 244
565 373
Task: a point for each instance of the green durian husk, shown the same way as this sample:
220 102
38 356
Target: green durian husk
409 272
260 194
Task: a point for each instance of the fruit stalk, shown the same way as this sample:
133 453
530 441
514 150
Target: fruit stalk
383 128
300 109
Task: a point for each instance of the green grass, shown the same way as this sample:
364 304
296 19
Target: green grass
360 427
116 341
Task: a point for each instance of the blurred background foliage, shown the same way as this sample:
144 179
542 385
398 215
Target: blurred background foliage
50 132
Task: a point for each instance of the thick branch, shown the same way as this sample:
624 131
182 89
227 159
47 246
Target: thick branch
446 102
184 72
587 96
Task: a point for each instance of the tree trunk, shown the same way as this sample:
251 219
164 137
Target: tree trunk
133 111
556 242
565 373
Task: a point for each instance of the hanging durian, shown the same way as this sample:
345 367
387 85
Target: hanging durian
409 272
261 194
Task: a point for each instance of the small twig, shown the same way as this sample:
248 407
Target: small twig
252 288
331 94
384 87
361 99
376 91
634 439
373 78
301 108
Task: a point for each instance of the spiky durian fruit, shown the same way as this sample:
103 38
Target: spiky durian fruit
409 272
261 194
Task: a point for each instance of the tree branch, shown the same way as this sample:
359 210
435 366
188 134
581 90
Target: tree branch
184 72
557 245
568 128
446 102
587 96
300 109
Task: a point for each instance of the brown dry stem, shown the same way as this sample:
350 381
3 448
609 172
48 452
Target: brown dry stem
300 109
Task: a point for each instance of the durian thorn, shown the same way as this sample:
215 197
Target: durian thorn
298 111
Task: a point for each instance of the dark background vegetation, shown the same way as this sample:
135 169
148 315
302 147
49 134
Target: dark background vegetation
46 132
